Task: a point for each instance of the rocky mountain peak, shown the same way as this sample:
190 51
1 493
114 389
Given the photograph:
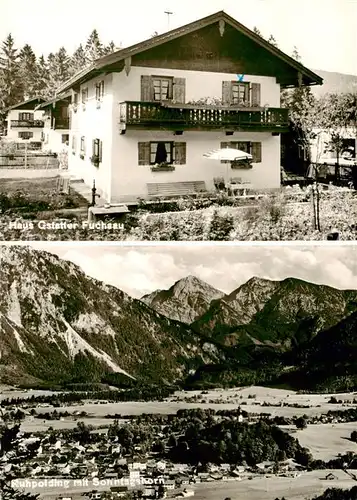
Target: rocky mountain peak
185 300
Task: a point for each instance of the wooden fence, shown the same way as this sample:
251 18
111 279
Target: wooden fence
29 161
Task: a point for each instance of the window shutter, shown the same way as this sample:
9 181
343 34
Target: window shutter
146 88
226 93
244 146
180 153
255 95
100 150
257 152
179 90
144 153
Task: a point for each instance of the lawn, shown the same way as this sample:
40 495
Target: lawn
31 196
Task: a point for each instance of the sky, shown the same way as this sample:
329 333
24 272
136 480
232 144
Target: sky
138 270
324 31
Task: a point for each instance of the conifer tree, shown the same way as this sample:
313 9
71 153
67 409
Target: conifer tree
28 71
58 70
94 47
257 31
78 60
11 88
42 87
273 41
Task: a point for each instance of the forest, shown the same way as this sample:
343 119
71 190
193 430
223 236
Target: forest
23 74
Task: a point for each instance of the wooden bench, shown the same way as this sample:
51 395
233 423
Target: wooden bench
175 189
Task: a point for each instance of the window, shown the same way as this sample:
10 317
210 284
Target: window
65 138
162 87
83 147
160 152
74 144
153 153
253 148
240 93
75 98
25 135
99 91
26 116
84 96
96 151
236 93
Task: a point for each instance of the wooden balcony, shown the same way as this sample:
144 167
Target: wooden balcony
152 115
61 123
27 123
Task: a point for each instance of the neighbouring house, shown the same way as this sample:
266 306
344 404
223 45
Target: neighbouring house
143 117
55 132
25 124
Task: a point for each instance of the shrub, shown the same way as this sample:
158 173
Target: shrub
221 227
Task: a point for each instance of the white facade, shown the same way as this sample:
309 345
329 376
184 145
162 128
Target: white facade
119 177
55 140
21 124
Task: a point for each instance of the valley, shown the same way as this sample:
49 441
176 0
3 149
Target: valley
216 395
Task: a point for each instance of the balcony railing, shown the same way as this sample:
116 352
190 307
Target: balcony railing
185 116
62 124
27 123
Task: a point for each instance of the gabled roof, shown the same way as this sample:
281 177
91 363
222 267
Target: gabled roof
28 104
62 97
103 64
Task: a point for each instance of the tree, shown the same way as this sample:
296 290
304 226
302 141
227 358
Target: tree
301 423
336 113
257 31
8 437
11 87
295 55
273 41
42 82
28 71
94 47
58 70
78 60
109 49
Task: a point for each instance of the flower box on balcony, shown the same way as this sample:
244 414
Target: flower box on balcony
162 167
81 156
241 165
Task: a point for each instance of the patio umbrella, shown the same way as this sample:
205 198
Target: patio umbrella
228 154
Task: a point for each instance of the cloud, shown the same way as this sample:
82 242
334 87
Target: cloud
141 269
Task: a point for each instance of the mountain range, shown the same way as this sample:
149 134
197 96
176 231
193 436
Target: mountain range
334 83
59 325
56 323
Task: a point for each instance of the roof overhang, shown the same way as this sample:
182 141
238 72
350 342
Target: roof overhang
115 61
60 98
28 104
